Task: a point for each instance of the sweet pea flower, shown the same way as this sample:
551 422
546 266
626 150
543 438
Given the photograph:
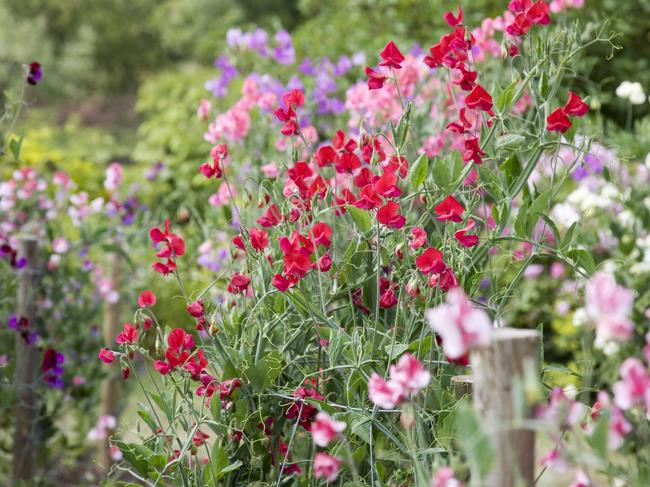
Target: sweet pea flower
385 394
409 374
146 299
459 324
326 466
445 477
106 356
324 429
609 306
634 387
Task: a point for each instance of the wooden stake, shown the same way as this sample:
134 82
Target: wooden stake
110 386
498 371
25 374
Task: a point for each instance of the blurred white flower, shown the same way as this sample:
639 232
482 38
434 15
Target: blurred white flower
633 91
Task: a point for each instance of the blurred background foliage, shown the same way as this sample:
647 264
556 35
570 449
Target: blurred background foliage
128 74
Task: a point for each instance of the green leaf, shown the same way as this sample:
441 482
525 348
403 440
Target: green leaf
582 258
419 172
361 218
598 438
505 98
510 142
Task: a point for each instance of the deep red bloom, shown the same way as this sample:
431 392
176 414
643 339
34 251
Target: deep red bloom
179 339
473 151
146 299
397 165
446 280
293 98
106 356
304 411
238 283
389 215
259 239
323 264
392 57
321 233
129 335
430 261
452 20
347 162
386 185
271 217
376 79
558 121
387 299
462 125
451 50
199 438
479 99
196 364
281 282
449 209
464 239
126 373
325 155
575 107
195 309
527 15
228 387
174 247
238 242
467 79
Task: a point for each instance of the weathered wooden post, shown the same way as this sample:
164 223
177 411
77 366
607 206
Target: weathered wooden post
110 386
25 374
498 372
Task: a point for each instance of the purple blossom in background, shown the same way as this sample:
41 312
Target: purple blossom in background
258 41
343 65
153 172
284 53
234 37
416 50
52 369
219 84
359 59
307 67
295 84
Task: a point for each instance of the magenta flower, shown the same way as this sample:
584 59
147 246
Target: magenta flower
326 466
324 429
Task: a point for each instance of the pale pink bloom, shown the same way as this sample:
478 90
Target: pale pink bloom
609 306
116 453
310 133
557 270
326 466
385 394
445 478
554 460
561 410
114 175
270 170
267 101
459 324
409 374
203 111
60 245
634 387
222 196
581 480
324 429
282 143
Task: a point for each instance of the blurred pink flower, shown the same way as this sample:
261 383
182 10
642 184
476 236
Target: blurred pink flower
324 429
326 466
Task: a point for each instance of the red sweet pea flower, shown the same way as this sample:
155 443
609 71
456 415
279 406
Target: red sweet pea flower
528 14
452 20
321 233
179 339
446 280
464 239
418 238
174 247
106 356
293 98
430 261
462 125
376 79
218 153
146 299
388 299
392 57
397 165
305 412
575 107
325 156
196 364
467 79
386 185
479 99
227 388
281 282
259 239
238 283
195 309
473 151
538 13
323 264
558 121
449 209
129 335
389 215
271 217
238 242
516 6
347 162
451 50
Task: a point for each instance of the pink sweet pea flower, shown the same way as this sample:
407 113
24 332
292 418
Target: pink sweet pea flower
459 324
385 394
609 306
324 429
445 478
106 356
634 388
326 466
146 299
409 373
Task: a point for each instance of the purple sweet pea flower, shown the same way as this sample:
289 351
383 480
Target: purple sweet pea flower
234 37
307 67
